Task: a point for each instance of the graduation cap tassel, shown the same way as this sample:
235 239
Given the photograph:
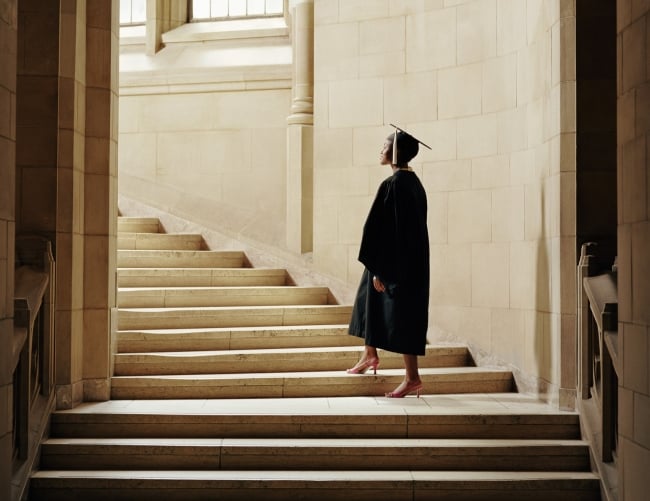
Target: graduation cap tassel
395 147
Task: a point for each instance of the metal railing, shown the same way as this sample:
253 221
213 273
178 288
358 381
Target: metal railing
598 362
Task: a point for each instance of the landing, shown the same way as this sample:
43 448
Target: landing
469 404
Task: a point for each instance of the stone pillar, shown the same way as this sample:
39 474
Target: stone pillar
100 196
300 162
162 16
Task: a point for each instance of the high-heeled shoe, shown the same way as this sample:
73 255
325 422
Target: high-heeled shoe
408 388
362 367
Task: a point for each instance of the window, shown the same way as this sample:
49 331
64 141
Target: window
203 10
133 12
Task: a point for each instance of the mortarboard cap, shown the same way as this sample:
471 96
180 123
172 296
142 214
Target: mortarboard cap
405 143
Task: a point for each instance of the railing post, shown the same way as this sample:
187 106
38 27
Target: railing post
584 346
609 400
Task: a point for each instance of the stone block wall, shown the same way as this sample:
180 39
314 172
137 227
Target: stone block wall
490 86
202 154
633 43
8 54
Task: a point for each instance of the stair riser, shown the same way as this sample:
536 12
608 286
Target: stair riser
271 388
195 319
131 227
131 224
269 363
226 341
317 490
311 430
171 259
552 427
178 298
170 278
295 458
158 241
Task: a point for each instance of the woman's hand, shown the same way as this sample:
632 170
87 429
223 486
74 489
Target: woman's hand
378 284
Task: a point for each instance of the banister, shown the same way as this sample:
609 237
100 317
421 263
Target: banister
603 300
33 337
598 361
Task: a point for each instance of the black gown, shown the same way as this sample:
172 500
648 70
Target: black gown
395 248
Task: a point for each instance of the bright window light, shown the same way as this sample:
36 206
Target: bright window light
223 9
133 12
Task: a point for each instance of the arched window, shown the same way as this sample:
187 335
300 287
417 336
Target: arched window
208 10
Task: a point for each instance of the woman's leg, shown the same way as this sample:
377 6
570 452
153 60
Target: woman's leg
412 381
411 365
369 360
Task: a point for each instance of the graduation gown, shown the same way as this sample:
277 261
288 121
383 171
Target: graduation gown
395 248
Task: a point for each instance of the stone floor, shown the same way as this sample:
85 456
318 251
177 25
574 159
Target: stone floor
476 403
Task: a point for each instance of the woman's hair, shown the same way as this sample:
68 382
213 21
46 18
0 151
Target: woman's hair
407 147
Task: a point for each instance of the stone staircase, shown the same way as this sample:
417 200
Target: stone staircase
230 384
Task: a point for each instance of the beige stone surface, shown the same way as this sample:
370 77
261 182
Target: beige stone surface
490 275
470 216
356 103
400 107
459 91
431 39
477 136
477 31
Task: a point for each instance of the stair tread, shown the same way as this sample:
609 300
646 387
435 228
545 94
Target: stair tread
219 308
226 289
246 329
162 235
446 371
137 219
394 443
206 270
495 406
431 349
357 475
183 252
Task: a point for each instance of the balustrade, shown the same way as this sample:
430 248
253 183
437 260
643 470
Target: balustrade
33 343
598 363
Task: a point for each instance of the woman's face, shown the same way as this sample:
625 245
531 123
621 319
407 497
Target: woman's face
386 156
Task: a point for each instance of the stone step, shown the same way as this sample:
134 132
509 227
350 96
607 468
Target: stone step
234 338
328 485
436 416
233 316
200 277
326 454
172 297
159 241
274 360
127 224
306 384
179 259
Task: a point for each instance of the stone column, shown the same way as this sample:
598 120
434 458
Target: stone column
300 162
162 16
100 196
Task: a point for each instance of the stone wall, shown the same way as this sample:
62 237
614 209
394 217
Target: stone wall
58 180
8 52
203 126
633 20
490 85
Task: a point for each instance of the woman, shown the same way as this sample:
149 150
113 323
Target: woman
391 308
